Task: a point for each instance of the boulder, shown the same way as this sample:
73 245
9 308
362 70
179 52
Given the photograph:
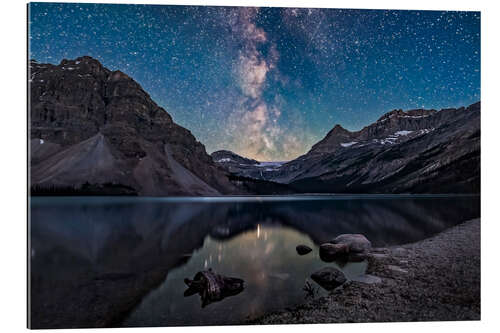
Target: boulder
329 252
397 269
355 242
400 252
303 249
357 256
329 278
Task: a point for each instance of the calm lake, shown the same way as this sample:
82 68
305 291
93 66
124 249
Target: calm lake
122 261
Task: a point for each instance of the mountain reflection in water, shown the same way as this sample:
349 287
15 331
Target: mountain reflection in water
121 261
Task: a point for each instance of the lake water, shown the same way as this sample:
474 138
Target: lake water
122 261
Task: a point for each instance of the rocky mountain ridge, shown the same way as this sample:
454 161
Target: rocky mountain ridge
417 151
393 123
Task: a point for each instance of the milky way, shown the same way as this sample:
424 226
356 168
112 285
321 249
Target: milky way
268 83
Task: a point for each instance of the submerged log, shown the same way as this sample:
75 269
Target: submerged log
213 287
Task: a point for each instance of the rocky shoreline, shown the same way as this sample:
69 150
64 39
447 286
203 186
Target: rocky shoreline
436 279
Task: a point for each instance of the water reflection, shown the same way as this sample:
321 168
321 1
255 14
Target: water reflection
93 260
273 272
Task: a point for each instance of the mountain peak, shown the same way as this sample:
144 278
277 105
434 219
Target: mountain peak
118 75
336 135
338 130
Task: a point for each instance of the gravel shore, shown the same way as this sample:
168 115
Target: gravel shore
437 279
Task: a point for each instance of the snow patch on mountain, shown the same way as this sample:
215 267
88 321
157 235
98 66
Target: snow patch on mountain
398 133
270 164
348 144
426 130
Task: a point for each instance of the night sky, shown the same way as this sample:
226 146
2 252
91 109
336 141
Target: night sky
268 83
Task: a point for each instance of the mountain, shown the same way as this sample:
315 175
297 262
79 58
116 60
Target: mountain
417 151
91 127
226 156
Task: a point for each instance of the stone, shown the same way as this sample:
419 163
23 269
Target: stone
397 269
329 278
368 279
303 249
357 256
400 252
379 256
355 242
330 252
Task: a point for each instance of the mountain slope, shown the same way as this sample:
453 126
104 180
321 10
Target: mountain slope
92 125
90 160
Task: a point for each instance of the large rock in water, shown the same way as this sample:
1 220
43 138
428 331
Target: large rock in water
356 242
329 278
91 125
329 252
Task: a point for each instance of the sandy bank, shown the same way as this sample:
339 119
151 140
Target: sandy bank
436 279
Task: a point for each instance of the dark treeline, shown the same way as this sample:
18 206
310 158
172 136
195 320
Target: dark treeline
259 186
85 190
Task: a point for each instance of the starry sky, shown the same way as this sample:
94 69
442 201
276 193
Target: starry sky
268 83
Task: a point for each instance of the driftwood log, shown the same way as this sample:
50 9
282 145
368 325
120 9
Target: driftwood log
213 287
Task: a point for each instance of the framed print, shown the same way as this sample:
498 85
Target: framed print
214 165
